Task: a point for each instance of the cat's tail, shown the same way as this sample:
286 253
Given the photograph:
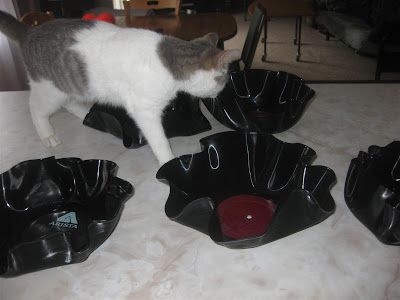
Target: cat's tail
12 28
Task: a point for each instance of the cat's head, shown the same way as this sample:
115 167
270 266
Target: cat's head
212 74
199 65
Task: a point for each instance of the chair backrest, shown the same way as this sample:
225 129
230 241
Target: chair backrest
151 4
253 35
35 18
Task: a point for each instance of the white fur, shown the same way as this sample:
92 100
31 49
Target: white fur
202 84
44 100
123 69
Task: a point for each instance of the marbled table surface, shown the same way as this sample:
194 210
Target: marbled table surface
150 257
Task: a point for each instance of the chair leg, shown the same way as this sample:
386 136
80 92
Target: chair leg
379 63
299 42
295 32
220 45
264 57
378 72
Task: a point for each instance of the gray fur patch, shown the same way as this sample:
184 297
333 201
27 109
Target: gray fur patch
48 55
182 58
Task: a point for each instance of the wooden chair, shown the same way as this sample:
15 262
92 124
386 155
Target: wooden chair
151 4
253 37
35 18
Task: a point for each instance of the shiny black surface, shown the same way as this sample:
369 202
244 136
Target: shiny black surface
57 211
261 100
236 163
372 191
181 118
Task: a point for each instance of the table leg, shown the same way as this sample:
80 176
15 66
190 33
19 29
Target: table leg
295 32
264 57
299 42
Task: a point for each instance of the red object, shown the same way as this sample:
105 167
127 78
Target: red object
245 216
106 17
88 17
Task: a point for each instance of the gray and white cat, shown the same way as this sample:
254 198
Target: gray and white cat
73 62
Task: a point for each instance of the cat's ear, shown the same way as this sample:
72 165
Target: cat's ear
212 38
228 56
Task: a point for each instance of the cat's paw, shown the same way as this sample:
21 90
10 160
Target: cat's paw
52 141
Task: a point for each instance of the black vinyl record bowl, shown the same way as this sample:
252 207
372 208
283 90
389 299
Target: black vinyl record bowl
247 189
372 191
182 117
55 212
261 100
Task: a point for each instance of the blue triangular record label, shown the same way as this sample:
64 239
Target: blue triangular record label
68 218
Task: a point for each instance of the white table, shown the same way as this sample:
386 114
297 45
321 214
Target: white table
150 257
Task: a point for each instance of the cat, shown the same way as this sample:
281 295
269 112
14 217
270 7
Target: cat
71 62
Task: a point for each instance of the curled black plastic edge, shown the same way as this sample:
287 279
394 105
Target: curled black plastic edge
182 117
372 191
281 97
55 212
301 191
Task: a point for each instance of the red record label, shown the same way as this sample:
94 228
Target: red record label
245 216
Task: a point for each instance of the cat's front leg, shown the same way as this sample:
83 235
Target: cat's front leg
150 123
44 100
